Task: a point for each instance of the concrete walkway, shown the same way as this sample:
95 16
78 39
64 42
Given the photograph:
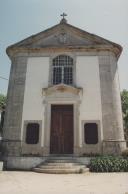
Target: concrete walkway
89 183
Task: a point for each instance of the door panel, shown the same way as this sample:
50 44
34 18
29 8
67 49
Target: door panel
61 138
68 133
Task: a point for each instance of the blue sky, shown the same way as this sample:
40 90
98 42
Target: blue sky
22 18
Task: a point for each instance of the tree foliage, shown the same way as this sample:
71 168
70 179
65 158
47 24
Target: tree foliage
2 100
124 100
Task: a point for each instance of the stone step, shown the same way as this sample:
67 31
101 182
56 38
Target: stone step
61 171
61 167
60 158
59 164
61 161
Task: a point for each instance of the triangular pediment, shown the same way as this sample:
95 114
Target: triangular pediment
63 35
62 38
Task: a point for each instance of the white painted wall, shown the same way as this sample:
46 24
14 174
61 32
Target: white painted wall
87 77
36 78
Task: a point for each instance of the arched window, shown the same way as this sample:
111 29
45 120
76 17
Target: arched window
62 70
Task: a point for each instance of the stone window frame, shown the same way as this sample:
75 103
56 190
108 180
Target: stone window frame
26 122
72 55
98 122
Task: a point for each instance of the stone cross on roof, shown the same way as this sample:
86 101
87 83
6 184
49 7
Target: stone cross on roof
63 15
63 20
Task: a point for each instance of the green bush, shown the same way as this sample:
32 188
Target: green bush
109 164
125 153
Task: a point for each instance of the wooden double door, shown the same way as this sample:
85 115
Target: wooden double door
61 136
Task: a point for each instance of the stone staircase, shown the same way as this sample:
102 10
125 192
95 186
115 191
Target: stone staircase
61 165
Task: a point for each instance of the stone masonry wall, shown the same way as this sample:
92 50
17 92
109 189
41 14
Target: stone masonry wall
111 104
13 115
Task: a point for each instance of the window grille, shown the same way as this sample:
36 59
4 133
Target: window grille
62 70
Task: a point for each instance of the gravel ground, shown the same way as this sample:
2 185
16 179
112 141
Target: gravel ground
15 182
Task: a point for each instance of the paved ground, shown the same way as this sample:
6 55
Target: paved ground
89 183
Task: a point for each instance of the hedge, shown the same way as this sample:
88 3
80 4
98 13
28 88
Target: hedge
109 164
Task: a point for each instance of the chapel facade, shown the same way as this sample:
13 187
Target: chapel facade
63 97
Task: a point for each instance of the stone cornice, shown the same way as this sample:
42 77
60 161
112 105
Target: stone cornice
93 48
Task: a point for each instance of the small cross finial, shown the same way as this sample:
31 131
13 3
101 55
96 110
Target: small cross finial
63 15
63 20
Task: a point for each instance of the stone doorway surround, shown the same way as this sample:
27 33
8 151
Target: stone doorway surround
61 94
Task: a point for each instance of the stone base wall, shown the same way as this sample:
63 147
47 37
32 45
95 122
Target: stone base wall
113 147
22 163
11 148
27 163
